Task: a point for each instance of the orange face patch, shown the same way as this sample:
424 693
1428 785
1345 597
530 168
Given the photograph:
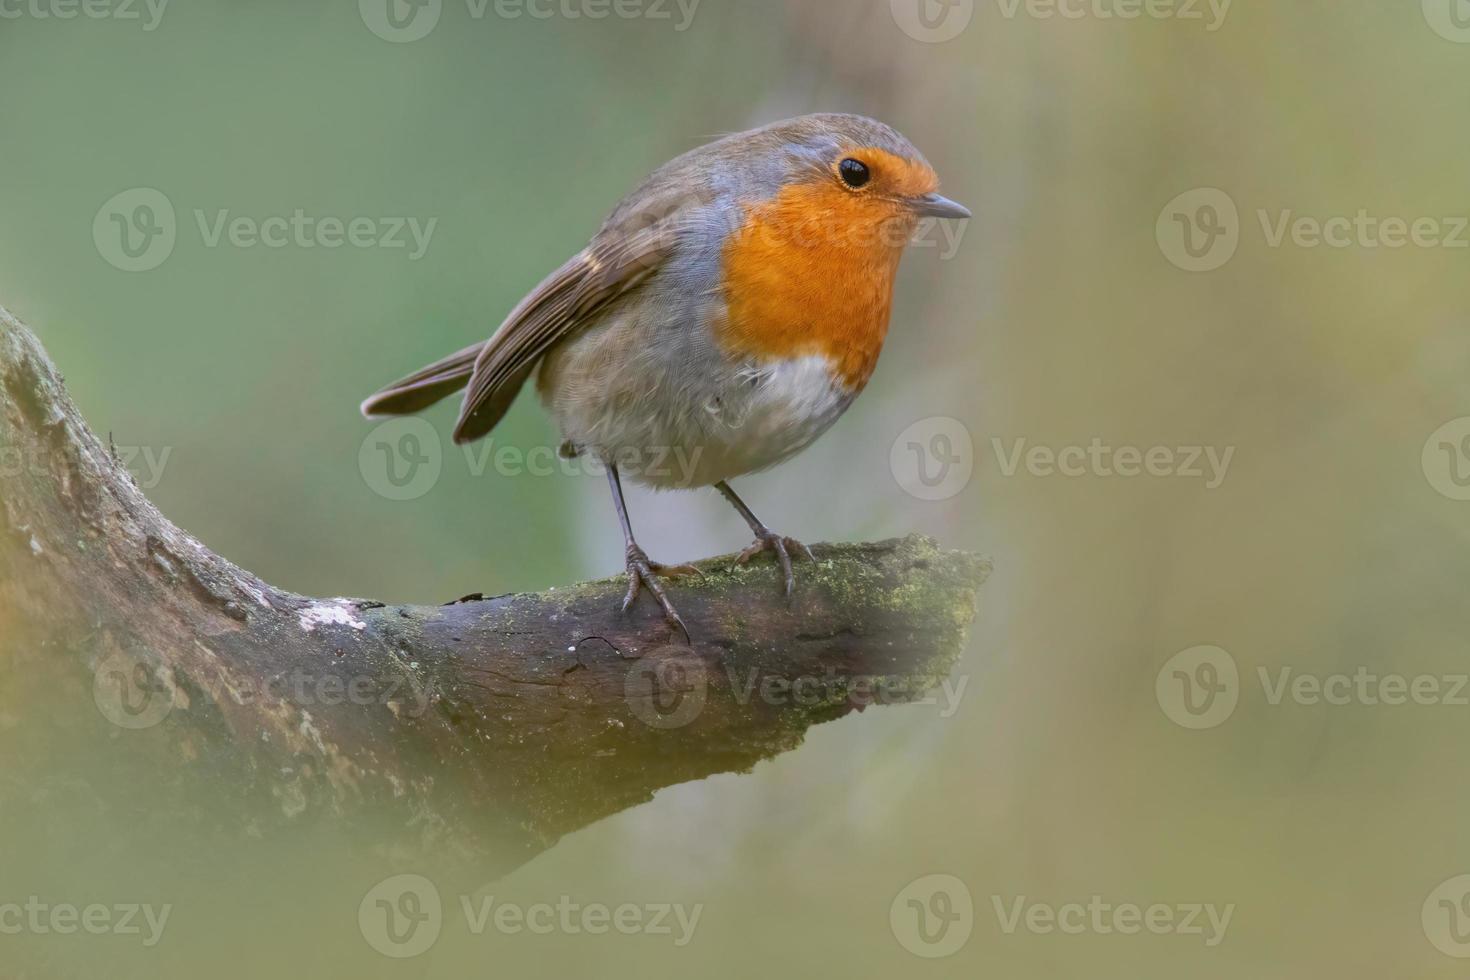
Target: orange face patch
811 271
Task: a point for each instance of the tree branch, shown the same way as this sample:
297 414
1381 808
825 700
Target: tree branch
491 726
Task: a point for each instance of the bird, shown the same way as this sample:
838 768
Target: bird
727 313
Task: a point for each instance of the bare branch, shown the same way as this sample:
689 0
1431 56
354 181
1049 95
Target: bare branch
491 726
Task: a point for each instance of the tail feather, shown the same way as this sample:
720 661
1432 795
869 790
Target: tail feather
426 386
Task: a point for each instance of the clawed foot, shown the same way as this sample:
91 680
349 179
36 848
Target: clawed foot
643 572
768 540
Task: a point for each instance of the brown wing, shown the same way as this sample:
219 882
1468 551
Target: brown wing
611 266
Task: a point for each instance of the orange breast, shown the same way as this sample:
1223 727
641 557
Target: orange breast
811 272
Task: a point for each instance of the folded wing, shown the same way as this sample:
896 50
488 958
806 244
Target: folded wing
612 266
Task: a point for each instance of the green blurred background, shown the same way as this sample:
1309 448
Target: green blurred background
1329 546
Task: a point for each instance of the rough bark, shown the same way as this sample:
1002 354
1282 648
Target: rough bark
486 729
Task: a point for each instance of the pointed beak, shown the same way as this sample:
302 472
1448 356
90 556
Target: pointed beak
936 206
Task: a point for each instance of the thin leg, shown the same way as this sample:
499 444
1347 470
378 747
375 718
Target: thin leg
641 571
766 539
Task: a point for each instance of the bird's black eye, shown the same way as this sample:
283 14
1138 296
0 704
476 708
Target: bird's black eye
854 173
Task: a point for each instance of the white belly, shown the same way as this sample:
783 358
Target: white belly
771 414
734 420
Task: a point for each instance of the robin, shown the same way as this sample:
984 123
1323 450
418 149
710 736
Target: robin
725 315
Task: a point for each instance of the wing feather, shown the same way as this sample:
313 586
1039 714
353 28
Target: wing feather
425 386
